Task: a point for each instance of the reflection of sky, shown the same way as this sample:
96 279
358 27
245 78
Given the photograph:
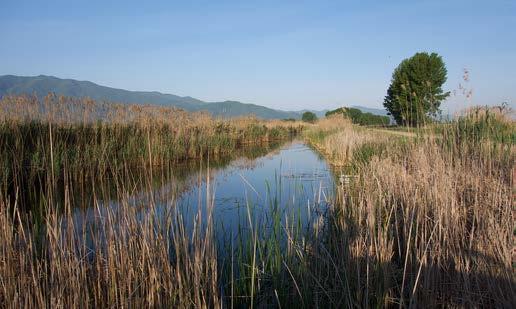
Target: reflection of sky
291 179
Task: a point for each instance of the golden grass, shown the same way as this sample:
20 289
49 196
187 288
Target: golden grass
40 140
122 257
427 222
337 138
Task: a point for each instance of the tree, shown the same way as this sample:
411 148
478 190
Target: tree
309 117
415 93
358 117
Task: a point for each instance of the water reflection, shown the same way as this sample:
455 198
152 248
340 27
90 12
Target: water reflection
290 182
293 183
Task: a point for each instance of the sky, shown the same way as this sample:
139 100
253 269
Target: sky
288 55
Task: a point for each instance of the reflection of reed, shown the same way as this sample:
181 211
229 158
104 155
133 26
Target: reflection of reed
246 163
41 142
122 258
168 183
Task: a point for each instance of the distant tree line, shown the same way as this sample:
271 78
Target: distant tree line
309 117
359 117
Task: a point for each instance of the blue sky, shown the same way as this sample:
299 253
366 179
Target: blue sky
286 55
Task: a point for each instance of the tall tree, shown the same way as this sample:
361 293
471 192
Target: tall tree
415 92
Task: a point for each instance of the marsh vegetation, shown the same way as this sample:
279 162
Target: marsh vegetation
106 205
429 218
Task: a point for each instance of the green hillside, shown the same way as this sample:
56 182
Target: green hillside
41 85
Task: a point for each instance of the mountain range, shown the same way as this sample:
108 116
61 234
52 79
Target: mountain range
42 85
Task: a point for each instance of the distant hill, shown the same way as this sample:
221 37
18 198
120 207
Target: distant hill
234 108
41 85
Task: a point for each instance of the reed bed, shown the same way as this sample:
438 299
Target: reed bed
122 256
339 140
39 140
427 222
132 251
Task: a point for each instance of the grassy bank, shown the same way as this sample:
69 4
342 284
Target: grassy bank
426 220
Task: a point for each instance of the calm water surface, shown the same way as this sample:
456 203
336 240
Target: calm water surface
291 181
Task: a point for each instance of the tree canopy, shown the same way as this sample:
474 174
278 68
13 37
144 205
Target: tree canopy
415 93
309 117
358 117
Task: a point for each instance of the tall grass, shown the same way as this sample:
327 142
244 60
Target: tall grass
121 257
131 251
41 140
481 123
427 222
